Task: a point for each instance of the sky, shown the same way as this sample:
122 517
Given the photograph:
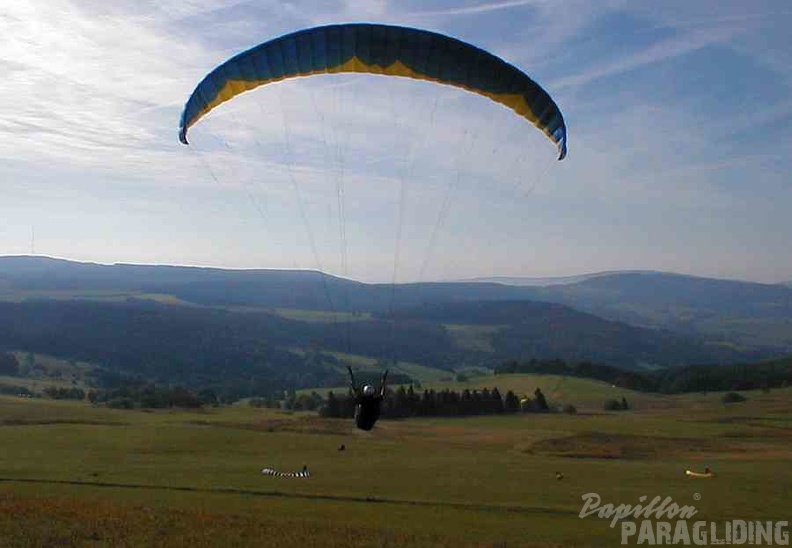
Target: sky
679 117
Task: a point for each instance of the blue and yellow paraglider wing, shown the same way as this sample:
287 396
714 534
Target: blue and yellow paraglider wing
378 49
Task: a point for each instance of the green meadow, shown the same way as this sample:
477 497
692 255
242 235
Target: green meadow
76 475
319 316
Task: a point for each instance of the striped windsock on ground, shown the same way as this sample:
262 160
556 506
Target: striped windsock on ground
304 473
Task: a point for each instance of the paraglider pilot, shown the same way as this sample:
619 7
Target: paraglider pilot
367 402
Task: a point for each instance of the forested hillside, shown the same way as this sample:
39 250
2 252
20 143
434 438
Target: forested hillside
254 331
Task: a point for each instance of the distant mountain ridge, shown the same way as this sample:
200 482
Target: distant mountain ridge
753 318
534 328
745 313
547 280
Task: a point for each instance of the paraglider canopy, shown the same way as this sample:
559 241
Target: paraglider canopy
378 49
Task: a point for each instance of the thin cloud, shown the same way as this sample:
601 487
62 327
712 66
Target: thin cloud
478 9
366 8
656 53
91 90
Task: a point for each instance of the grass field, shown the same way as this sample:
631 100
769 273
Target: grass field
75 475
319 316
473 337
21 295
358 362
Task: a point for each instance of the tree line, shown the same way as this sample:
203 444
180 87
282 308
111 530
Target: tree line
9 365
667 380
407 402
131 395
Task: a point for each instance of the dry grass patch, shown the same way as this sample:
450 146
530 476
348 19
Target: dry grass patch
301 425
47 521
601 445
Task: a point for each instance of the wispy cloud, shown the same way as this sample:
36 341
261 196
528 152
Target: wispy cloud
477 9
366 8
656 53
79 95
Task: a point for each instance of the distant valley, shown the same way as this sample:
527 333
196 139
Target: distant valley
183 324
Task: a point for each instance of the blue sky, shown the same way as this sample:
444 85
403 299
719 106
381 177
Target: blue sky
680 142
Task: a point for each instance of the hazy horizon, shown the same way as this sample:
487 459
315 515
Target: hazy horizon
535 280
